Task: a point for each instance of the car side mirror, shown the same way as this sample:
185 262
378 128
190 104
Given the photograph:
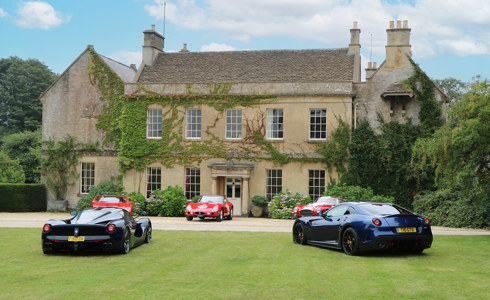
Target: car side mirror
142 213
74 213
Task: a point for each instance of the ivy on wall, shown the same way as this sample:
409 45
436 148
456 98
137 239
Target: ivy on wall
423 87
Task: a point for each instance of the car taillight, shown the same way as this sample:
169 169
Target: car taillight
47 228
376 221
111 228
426 221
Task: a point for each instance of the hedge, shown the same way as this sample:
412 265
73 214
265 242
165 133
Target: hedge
22 197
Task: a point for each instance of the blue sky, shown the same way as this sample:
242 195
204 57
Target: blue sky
448 38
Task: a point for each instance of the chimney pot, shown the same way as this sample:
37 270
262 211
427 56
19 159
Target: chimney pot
355 25
153 27
374 65
405 24
392 24
398 24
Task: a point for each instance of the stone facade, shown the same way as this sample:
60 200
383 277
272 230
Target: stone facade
304 82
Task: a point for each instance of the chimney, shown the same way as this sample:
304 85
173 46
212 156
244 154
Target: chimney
398 47
355 49
370 70
153 45
184 49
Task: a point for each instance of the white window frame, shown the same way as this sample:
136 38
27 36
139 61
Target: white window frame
273 185
233 124
193 119
275 124
154 123
153 180
192 182
87 177
318 128
316 183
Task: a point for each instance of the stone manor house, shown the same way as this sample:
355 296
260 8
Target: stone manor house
238 123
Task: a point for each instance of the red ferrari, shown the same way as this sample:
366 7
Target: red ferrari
321 204
120 201
210 206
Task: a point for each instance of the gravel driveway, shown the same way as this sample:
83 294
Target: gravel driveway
36 220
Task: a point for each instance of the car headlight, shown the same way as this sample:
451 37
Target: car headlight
295 210
215 209
188 208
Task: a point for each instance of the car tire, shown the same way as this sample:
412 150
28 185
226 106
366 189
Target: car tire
189 218
219 218
126 242
299 234
148 234
230 217
350 241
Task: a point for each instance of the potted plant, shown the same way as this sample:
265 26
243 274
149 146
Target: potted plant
259 202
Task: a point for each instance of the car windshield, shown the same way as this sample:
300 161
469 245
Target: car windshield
383 209
211 199
327 200
111 200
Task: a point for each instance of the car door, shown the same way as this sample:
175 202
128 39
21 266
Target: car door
327 229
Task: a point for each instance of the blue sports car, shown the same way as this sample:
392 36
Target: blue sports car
356 227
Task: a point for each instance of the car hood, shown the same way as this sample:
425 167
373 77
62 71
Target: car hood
203 205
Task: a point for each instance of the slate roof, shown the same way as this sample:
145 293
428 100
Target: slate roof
308 66
124 72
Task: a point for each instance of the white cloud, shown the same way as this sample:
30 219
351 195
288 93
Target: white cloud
127 57
217 47
38 14
438 26
2 13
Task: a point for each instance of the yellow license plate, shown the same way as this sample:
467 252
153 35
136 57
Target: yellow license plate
406 229
76 238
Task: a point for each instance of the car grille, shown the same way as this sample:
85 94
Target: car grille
306 212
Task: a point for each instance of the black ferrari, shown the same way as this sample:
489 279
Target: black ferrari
355 227
101 228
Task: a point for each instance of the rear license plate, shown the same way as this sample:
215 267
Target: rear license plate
406 229
76 238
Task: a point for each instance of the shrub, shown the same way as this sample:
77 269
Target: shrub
452 208
139 202
259 200
281 205
169 203
104 188
355 193
22 197
196 198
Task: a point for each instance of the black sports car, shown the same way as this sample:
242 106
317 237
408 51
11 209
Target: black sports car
104 228
355 227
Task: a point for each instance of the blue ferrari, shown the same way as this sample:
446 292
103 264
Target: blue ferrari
356 227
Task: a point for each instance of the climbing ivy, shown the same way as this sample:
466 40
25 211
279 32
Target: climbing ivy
111 89
423 87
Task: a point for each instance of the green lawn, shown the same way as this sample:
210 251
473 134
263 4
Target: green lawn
187 264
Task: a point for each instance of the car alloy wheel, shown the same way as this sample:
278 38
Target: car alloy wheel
350 242
126 244
299 234
220 217
230 217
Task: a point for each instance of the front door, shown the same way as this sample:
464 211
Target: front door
233 191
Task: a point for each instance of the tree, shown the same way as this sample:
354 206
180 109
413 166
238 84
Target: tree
10 170
453 88
59 163
460 151
26 148
21 84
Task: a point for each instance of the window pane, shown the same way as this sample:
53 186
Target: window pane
318 124
193 123
273 183
192 182
234 124
275 124
153 180
154 123
87 177
316 183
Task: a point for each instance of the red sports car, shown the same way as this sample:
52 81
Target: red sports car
321 204
120 201
210 206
